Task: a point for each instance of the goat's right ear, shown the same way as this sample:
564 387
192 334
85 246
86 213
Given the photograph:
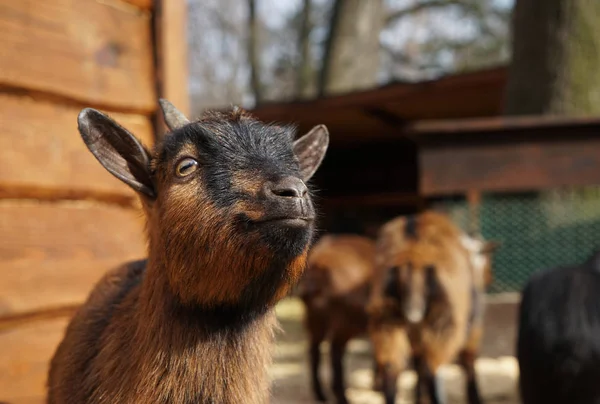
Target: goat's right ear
117 150
310 150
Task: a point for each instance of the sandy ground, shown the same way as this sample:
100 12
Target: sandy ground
497 376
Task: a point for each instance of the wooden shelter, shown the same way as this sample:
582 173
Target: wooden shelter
63 219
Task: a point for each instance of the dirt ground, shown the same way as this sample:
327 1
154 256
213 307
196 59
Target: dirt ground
497 375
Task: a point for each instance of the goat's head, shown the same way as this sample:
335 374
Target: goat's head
229 215
412 285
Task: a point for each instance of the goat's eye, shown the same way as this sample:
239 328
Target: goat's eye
186 167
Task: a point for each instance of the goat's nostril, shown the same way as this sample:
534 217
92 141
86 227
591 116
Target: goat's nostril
289 187
286 192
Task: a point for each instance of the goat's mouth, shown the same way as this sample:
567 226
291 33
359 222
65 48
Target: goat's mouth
291 221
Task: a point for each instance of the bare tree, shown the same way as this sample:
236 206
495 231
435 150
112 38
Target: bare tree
216 35
556 58
247 54
351 59
304 72
253 52
445 36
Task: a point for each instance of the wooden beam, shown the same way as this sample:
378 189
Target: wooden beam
170 33
523 165
426 129
87 51
474 203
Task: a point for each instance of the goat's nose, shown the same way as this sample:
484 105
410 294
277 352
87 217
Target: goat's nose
290 187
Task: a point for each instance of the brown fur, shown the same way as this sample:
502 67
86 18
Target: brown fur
130 316
446 328
335 291
194 322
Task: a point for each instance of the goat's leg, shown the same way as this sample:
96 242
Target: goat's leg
435 389
389 379
429 384
420 388
467 361
338 348
377 377
315 361
316 324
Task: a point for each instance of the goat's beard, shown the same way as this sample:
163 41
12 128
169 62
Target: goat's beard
222 266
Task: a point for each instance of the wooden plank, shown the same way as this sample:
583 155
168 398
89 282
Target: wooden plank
170 18
40 148
85 50
26 352
51 254
521 165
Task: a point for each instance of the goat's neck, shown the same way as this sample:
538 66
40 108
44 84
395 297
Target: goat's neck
219 356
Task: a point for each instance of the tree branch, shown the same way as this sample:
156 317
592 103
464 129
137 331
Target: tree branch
303 74
253 59
423 6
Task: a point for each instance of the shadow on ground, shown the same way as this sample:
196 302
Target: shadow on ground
497 376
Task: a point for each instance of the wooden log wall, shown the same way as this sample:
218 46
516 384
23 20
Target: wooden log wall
65 221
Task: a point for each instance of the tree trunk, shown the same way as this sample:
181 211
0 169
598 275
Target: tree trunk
556 58
253 52
303 79
351 59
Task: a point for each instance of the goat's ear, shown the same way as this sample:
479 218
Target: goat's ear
310 150
117 150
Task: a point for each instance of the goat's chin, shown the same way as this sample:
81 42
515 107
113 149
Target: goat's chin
287 239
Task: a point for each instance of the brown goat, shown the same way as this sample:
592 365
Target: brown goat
335 290
427 302
229 222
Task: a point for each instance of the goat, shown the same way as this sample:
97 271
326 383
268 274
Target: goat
558 343
427 302
335 289
229 224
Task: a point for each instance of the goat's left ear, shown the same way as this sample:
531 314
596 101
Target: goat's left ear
310 150
117 150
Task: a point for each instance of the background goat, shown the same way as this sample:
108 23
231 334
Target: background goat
427 295
558 346
335 289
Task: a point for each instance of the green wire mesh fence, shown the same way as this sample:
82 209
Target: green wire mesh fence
538 230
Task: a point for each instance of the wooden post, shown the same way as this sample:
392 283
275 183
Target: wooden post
170 35
474 203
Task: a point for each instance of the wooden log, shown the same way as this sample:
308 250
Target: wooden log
89 51
26 352
51 254
41 152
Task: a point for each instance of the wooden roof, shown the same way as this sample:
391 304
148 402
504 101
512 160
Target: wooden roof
382 112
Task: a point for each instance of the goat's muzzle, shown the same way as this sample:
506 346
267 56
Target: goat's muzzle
287 203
